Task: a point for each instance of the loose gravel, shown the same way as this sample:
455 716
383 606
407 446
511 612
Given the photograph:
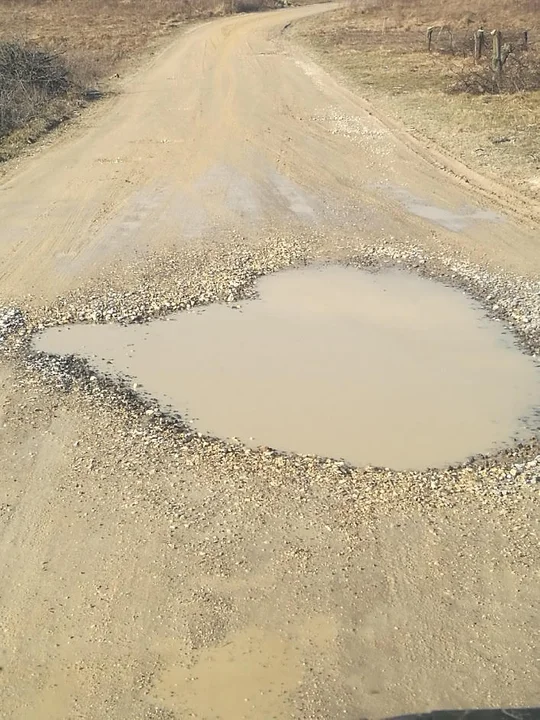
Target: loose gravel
178 281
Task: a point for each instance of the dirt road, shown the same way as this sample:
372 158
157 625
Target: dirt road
227 129
139 582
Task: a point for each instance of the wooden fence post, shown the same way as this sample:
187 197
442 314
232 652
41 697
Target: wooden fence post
497 62
506 51
479 40
429 36
447 29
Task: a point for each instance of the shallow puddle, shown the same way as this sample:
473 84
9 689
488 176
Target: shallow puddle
384 369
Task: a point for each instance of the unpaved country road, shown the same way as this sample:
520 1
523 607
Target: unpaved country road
228 129
142 582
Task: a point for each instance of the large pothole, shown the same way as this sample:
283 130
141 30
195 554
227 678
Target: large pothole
385 368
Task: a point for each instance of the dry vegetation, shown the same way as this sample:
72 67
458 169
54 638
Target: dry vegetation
444 95
36 85
407 14
83 42
101 33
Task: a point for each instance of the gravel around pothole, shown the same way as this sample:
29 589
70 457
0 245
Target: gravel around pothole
177 281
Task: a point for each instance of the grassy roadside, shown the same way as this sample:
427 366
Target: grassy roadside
379 47
85 42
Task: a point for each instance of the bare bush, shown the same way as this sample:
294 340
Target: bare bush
30 79
249 6
521 73
39 69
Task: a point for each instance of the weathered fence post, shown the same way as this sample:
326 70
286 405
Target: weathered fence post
497 62
448 30
525 39
506 51
479 40
429 36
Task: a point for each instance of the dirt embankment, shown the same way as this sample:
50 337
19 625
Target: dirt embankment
445 96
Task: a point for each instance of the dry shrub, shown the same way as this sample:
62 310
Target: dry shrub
20 65
30 80
249 6
521 73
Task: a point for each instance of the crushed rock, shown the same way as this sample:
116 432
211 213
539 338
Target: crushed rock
175 281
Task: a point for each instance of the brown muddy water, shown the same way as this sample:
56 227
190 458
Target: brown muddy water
382 369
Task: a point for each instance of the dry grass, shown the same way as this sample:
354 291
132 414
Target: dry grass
30 81
103 33
106 32
90 39
380 47
406 14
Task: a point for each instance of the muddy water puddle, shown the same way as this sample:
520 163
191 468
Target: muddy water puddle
383 369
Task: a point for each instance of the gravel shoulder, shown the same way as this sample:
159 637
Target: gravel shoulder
139 558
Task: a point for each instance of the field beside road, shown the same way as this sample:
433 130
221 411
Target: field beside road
443 97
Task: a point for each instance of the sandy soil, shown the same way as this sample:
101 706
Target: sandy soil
137 583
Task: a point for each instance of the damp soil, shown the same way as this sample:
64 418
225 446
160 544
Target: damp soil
385 369
454 219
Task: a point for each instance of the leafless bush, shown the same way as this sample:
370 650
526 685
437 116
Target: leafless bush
248 6
521 73
41 70
30 79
